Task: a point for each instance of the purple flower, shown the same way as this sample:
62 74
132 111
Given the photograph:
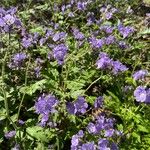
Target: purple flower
88 146
63 7
107 28
71 108
21 122
59 36
44 120
98 102
104 61
49 33
70 14
109 40
114 146
91 128
12 10
96 43
59 53
9 19
80 134
17 60
17 147
26 42
118 67
81 5
122 45
78 35
37 71
142 94
10 134
125 31
109 132
108 15
74 141
2 11
81 105
18 23
45 105
140 74
103 144
19 57
2 22
42 41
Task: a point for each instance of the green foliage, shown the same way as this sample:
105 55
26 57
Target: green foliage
77 76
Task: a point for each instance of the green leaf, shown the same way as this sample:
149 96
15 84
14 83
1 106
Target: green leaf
33 87
40 133
142 129
146 31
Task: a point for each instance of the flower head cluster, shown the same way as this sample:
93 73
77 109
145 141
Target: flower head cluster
140 74
109 40
104 144
59 36
17 60
99 102
26 42
78 107
29 39
77 34
105 62
96 43
122 45
45 105
59 53
118 67
107 28
102 124
108 12
10 134
81 5
8 19
125 31
102 127
142 94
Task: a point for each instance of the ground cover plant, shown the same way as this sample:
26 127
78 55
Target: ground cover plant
75 75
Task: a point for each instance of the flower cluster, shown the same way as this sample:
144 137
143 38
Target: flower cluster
142 94
17 60
77 34
105 62
102 126
125 31
141 74
8 19
99 102
10 134
78 107
59 53
45 105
